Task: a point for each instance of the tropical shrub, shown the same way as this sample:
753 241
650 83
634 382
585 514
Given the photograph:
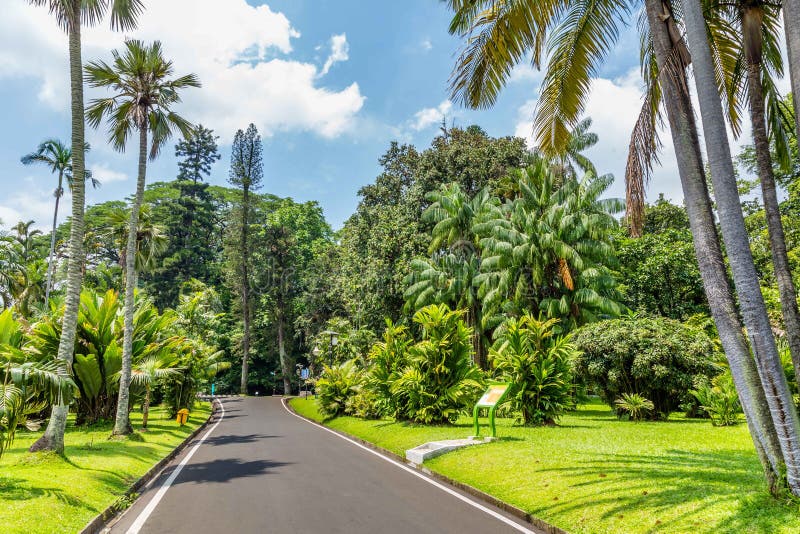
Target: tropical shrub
387 359
440 380
658 358
27 384
634 405
336 386
538 364
719 400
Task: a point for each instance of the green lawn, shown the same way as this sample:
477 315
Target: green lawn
596 474
48 493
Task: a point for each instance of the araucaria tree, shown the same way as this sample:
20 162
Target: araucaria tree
145 94
71 14
246 173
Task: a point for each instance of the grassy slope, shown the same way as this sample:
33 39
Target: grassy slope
49 494
595 474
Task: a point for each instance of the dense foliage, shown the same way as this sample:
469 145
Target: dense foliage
657 358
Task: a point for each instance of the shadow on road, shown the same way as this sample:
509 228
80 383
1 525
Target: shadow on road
225 470
232 438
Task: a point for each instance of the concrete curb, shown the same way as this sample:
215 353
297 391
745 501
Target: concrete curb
98 524
519 513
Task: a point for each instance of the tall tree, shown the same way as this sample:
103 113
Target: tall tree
71 14
779 400
145 95
198 154
57 156
247 172
791 24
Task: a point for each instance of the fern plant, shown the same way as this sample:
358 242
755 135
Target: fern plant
719 400
538 364
336 386
634 405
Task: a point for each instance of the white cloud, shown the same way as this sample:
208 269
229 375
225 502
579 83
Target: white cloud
427 117
32 204
614 106
240 53
339 52
106 175
426 45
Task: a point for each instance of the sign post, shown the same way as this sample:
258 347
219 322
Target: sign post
490 399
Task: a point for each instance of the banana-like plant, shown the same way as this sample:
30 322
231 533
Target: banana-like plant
27 385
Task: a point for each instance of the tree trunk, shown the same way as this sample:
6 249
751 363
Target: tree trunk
742 365
122 424
245 290
286 369
146 406
53 438
50 267
791 24
777 239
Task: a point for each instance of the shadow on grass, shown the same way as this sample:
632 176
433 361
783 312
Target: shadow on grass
225 470
14 489
689 481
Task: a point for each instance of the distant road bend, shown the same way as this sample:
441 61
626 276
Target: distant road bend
261 468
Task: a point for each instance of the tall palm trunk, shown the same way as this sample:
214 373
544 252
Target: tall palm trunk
53 438
742 365
59 192
751 25
791 24
286 370
122 424
245 291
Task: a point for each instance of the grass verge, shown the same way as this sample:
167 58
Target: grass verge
47 493
596 474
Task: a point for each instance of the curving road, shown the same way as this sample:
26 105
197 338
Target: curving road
263 469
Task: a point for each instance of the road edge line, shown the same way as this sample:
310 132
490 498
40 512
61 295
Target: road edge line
436 479
140 520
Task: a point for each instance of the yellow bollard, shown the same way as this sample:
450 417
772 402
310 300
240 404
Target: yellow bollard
183 416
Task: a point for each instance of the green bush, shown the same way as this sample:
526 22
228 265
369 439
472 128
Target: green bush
660 359
336 386
387 359
439 381
719 400
538 365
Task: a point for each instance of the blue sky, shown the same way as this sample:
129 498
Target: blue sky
329 83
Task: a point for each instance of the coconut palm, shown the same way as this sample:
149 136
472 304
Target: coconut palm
784 417
147 373
57 156
501 33
144 96
791 14
71 15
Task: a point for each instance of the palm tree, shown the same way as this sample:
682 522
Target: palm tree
151 241
145 94
149 371
57 156
748 383
757 22
791 14
509 30
71 14
449 276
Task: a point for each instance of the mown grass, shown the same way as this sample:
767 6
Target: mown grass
47 493
596 474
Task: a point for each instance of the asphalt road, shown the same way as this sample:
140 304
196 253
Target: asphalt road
263 469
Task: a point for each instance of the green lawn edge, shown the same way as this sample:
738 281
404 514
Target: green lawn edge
47 493
595 474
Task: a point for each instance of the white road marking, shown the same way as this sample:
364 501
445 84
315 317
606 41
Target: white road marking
145 514
457 495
